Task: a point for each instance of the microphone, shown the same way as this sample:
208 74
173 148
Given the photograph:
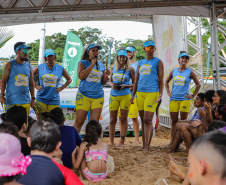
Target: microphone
96 63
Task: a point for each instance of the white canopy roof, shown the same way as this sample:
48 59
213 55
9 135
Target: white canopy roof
13 12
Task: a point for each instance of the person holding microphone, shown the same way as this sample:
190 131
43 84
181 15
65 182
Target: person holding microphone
90 94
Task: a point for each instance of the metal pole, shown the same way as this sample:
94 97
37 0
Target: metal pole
42 45
185 33
216 56
213 45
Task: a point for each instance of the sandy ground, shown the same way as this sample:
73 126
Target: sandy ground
135 167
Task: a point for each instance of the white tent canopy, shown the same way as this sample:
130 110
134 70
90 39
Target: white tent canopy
13 12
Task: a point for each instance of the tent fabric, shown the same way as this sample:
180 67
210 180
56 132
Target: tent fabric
13 12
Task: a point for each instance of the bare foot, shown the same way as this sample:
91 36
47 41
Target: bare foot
111 144
177 170
173 177
174 160
136 142
145 149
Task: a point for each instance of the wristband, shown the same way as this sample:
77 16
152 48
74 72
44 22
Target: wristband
105 76
2 95
33 98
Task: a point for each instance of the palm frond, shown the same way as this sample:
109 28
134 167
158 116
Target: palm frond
5 36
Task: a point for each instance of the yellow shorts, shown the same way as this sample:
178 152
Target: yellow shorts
183 106
119 101
45 107
133 110
85 103
26 106
146 101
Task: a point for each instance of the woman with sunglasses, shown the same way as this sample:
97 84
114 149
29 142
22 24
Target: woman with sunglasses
120 76
149 87
179 95
50 74
90 94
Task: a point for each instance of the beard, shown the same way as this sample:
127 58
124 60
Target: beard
24 59
131 57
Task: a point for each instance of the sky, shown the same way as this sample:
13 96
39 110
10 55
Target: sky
119 30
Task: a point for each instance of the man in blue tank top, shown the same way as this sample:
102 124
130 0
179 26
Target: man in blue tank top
17 80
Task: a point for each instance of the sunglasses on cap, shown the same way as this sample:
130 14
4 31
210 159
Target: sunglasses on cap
25 50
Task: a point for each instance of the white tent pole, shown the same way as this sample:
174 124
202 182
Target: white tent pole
42 45
185 33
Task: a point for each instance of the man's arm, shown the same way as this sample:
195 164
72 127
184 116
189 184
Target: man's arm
32 89
5 76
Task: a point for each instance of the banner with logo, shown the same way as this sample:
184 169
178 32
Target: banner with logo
168 36
72 55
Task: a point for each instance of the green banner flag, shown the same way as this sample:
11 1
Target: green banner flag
72 55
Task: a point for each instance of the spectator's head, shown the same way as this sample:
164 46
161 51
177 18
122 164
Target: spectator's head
10 128
57 116
215 125
199 100
93 132
207 159
217 96
220 112
44 136
12 161
3 116
18 116
44 115
209 96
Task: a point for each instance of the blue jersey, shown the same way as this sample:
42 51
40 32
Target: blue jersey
181 82
123 79
49 79
148 75
92 87
17 86
134 66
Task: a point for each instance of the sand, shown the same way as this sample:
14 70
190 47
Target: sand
135 167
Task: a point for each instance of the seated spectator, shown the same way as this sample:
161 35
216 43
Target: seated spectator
44 139
186 128
10 128
69 136
18 116
12 161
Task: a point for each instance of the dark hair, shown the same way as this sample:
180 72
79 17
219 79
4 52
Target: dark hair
209 96
44 115
201 96
4 180
216 124
57 116
217 140
18 44
223 99
17 115
220 92
85 55
3 116
31 121
221 109
93 132
10 128
44 134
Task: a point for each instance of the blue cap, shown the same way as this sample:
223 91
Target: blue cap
48 52
183 54
122 53
149 43
93 46
22 46
130 48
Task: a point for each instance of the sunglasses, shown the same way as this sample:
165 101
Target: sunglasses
121 56
148 48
